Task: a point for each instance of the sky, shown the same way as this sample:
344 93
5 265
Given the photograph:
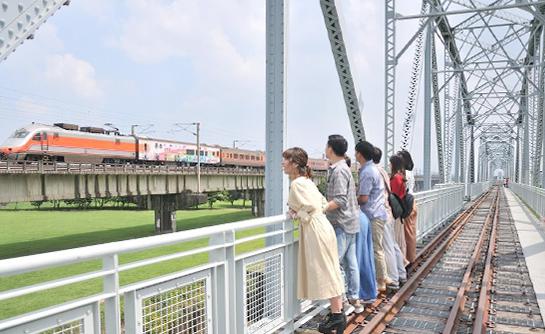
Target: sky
156 63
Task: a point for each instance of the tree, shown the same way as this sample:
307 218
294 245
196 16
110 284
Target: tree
323 188
234 196
217 196
37 204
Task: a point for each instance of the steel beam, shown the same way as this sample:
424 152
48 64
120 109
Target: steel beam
539 155
414 81
389 81
437 114
20 19
472 10
276 184
427 107
334 31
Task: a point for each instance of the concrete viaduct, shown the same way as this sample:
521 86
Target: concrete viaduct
164 189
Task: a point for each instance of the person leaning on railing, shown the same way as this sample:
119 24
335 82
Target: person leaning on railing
319 274
409 223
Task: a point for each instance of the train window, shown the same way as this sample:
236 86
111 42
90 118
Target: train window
236 155
190 152
203 153
21 133
156 145
44 135
145 147
247 157
252 157
37 137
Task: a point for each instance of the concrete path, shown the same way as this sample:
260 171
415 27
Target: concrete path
532 239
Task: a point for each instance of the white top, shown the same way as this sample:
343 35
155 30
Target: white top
410 180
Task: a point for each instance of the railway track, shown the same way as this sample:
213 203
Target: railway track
424 248
470 278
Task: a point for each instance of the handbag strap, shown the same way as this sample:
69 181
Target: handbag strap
386 185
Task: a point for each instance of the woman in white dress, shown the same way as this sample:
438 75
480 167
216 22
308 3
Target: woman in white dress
319 275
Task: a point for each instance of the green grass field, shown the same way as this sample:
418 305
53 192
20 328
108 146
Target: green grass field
26 232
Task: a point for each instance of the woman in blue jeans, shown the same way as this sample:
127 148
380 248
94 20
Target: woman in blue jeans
366 262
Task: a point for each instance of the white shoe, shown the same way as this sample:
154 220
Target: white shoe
358 307
348 308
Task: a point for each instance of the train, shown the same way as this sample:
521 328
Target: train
70 143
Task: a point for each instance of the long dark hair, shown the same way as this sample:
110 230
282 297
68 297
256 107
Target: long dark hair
397 166
407 159
299 157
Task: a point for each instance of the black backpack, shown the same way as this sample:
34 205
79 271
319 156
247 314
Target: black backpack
396 204
408 204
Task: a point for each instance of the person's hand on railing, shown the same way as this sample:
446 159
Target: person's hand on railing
291 214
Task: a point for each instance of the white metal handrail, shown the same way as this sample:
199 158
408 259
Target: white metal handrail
436 206
252 292
534 197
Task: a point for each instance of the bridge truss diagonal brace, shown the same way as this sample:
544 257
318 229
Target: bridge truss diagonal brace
20 19
449 40
334 31
389 81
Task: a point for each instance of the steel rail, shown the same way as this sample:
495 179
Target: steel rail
481 316
466 281
358 319
393 306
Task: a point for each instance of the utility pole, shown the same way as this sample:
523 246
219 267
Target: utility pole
198 124
197 134
133 129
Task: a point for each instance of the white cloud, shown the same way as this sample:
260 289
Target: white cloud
73 74
223 40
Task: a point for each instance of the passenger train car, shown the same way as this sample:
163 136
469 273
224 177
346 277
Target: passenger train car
162 150
69 143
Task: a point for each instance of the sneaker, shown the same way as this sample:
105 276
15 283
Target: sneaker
393 286
348 308
358 307
368 302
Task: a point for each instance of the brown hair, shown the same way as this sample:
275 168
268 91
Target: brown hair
397 166
299 157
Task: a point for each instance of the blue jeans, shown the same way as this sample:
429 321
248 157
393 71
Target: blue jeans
346 246
366 260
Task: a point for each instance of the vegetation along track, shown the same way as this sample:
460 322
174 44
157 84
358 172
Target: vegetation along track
471 278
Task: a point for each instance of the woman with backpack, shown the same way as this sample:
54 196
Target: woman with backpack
398 187
409 223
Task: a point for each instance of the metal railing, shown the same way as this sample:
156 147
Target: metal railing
252 292
232 293
436 206
476 189
534 197
44 167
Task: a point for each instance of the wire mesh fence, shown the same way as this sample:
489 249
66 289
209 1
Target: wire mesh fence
264 286
180 310
74 327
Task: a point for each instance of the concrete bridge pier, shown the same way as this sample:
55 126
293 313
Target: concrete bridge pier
258 202
165 212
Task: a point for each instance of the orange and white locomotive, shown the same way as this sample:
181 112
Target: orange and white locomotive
70 143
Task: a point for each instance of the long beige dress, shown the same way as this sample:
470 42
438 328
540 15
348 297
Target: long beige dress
319 275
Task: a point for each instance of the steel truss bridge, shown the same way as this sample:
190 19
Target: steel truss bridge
477 77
